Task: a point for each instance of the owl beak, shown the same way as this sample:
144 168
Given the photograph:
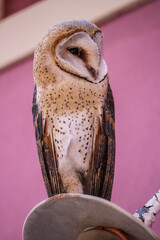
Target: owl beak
93 72
96 74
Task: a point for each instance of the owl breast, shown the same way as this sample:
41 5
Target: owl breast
73 112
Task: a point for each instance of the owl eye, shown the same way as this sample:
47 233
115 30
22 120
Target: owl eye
75 51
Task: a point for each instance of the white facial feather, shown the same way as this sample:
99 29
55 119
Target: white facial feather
90 65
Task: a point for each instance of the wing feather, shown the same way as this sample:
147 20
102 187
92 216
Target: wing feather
46 152
103 160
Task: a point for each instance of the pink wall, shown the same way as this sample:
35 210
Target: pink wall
13 6
132 51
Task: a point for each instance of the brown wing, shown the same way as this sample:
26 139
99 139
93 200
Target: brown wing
46 152
102 166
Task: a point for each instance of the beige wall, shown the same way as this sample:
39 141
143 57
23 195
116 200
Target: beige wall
19 33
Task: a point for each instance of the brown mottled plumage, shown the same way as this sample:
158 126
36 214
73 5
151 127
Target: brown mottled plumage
73 111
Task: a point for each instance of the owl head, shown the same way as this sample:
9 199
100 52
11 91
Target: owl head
72 48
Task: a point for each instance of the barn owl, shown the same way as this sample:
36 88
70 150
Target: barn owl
73 111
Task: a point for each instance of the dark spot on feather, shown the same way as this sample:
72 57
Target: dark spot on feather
34 104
